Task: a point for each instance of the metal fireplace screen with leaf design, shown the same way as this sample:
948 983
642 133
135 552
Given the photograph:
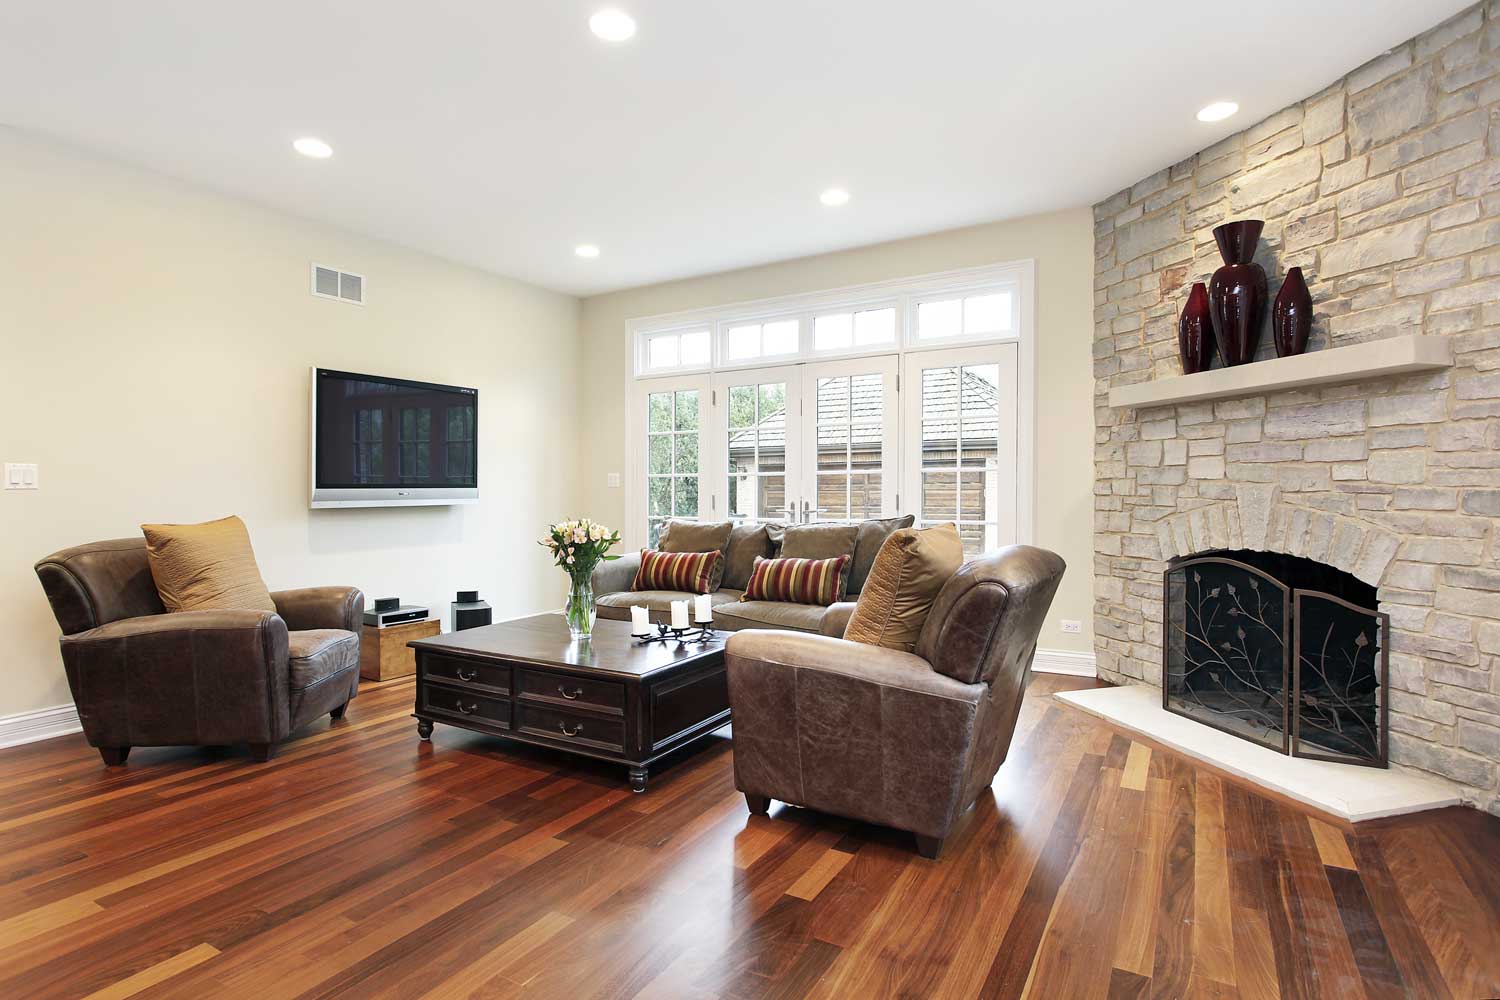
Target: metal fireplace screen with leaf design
1283 651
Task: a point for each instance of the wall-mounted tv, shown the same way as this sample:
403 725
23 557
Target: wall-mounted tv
386 442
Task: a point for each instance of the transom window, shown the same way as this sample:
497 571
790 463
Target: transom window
977 306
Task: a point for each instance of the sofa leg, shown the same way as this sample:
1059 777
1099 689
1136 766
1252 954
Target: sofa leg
262 752
338 713
760 805
114 756
929 847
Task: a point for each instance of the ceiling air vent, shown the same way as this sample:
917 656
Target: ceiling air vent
330 283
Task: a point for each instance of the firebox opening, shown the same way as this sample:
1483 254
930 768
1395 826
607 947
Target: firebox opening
1281 650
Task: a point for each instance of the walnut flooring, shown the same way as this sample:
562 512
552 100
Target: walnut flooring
362 863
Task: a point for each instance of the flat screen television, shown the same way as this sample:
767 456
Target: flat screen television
387 442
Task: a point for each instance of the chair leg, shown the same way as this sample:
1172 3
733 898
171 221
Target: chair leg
338 713
929 847
262 752
114 756
760 805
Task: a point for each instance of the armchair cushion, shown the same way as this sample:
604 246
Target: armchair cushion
206 566
910 570
856 730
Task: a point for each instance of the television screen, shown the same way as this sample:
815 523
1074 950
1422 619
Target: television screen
391 440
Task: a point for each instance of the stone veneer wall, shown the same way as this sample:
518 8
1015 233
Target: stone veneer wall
1385 189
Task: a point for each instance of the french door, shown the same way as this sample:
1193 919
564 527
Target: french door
809 442
961 443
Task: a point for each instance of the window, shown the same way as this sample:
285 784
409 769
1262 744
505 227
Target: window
672 422
987 314
369 450
850 411
414 439
748 341
960 452
459 444
756 450
841 331
677 350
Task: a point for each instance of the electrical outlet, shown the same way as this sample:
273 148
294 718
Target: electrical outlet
20 476
1072 626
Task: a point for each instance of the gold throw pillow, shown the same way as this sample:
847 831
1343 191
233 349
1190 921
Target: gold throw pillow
910 569
208 566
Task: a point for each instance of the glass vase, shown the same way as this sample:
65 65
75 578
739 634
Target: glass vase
580 607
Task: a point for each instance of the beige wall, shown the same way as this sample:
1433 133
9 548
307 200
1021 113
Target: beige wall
155 342
1062 246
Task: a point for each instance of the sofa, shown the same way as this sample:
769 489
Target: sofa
906 740
612 581
143 677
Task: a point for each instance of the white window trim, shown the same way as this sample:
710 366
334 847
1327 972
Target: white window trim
906 293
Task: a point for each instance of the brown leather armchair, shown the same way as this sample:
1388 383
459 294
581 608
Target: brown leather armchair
908 740
143 677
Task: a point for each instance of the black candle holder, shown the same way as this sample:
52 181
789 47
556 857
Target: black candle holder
666 633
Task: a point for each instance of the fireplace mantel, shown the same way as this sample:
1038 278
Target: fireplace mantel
1377 358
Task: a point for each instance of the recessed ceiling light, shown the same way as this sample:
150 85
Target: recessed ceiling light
834 197
1218 111
316 148
586 250
612 25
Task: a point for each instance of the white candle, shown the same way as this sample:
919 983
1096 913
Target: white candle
640 621
679 614
703 611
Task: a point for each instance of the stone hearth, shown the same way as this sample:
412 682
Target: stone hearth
1385 189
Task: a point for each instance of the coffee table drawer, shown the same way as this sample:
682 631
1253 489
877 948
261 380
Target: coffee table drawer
450 669
571 727
465 705
562 691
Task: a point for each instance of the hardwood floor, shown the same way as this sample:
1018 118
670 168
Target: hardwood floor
362 863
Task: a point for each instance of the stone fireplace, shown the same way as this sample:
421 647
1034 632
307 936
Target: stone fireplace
1385 189
1280 650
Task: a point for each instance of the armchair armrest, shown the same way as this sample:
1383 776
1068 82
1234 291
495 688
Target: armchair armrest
321 607
616 575
836 619
194 677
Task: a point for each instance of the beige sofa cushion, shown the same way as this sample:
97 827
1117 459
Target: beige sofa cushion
912 567
206 567
747 542
769 614
872 535
818 541
659 602
693 536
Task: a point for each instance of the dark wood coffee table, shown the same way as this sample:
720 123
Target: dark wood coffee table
607 698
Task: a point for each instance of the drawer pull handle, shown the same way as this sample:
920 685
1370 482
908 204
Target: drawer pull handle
572 694
466 675
470 710
562 727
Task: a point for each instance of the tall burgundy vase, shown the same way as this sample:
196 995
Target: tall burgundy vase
1195 335
1291 315
1237 292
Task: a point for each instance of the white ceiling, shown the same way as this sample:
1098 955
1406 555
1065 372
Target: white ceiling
501 133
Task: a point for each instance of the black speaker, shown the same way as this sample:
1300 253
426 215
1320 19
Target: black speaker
469 611
387 603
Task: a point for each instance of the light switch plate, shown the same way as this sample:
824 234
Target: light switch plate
20 476
614 480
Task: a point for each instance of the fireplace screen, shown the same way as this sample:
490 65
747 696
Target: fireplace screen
1282 651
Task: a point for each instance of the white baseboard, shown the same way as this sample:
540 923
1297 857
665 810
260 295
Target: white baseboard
41 724
1063 661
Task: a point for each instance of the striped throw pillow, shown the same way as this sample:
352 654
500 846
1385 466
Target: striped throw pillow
799 581
690 572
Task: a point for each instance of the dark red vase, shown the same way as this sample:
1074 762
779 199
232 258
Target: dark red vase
1237 292
1195 334
1291 315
